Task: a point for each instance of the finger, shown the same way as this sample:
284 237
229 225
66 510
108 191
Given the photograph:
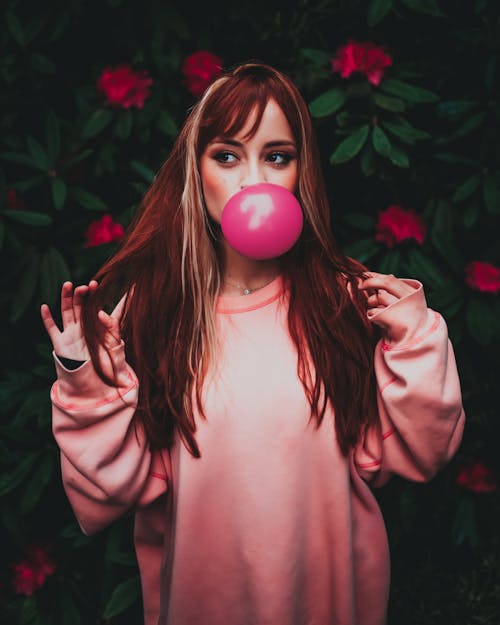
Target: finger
67 313
389 283
111 324
49 324
381 298
78 297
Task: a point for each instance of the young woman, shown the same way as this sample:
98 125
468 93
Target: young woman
241 408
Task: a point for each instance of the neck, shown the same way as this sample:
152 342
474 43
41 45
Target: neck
246 273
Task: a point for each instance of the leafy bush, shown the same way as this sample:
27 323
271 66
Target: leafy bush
405 98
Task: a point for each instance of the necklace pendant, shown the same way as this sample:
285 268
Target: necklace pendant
247 291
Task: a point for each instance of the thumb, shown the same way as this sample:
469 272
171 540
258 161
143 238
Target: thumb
111 324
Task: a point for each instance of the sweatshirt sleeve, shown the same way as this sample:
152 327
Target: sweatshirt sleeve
106 462
421 418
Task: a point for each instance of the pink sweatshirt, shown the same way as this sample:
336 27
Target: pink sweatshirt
272 525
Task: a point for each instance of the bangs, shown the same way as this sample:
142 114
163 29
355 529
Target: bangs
230 107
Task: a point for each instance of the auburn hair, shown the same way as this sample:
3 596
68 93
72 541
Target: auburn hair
168 270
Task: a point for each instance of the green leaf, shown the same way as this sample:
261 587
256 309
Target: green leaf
367 160
381 142
464 528
2 231
53 133
124 595
20 159
53 272
390 263
87 199
15 28
480 320
455 108
388 103
468 126
34 488
410 93
25 185
360 221
327 103
377 10
423 267
443 236
74 160
29 611
26 287
455 159
467 188
361 250
491 194
30 218
58 192
9 480
143 170
317 57
167 124
70 613
404 130
470 213
428 7
123 124
37 153
399 157
349 147
41 64
96 123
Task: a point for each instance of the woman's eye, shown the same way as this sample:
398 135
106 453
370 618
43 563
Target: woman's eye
280 158
225 157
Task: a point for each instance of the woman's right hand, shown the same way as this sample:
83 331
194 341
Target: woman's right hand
70 343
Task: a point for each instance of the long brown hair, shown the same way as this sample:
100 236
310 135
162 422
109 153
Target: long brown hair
168 266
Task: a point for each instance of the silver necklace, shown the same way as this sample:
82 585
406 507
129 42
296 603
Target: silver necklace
246 291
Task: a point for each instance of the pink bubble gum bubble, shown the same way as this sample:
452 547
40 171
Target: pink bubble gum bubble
262 221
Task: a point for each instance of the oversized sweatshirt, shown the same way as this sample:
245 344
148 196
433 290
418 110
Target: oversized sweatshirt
272 525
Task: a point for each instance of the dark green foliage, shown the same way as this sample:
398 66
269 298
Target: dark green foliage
426 138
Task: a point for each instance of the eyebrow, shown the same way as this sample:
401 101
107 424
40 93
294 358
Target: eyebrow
269 144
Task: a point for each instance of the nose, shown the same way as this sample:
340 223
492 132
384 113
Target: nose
252 174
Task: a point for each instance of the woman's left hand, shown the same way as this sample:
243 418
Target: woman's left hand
382 290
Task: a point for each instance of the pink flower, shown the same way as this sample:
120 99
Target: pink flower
102 231
200 69
124 87
368 58
478 478
483 277
31 573
395 224
14 201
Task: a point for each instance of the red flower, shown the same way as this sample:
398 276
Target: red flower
396 224
13 201
483 277
478 478
368 58
31 573
102 231
200 70
123 87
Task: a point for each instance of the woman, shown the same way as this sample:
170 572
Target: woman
205 402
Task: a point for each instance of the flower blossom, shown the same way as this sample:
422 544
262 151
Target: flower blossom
200 69
483 277
478 478
395 224
102 231
368 58
31 573
124 87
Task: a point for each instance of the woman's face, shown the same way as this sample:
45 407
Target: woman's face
229 164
